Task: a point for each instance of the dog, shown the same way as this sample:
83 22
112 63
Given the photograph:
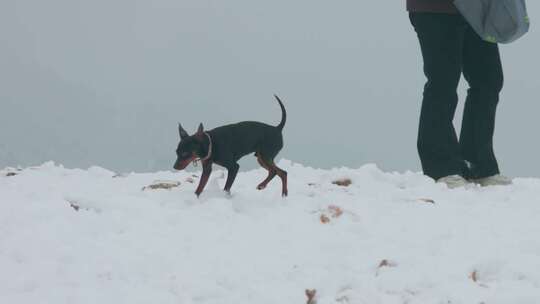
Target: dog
227 144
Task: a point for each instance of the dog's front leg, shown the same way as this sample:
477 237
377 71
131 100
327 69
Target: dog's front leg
232 170
207 169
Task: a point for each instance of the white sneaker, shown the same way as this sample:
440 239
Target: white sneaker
494 180
453 181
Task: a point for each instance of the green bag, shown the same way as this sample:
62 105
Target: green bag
496 21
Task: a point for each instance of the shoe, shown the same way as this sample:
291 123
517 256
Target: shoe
453 181
494 180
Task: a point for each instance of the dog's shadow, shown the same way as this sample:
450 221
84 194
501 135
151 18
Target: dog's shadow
243 202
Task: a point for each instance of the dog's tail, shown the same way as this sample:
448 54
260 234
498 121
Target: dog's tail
283 114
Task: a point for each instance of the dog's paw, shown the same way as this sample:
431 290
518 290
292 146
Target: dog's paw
228 194
261 187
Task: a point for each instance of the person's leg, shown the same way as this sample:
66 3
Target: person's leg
441 39
483 71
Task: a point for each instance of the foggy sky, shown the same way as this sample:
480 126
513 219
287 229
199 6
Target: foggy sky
105 82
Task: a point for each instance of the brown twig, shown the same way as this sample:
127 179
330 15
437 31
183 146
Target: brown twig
310 294
324 219
162 185
385 263
76 207
343 182
474 276
336 211
427 200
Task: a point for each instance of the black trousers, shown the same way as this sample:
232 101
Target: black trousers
451 48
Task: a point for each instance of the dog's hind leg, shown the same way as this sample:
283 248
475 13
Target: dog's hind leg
273 170
283 176
271 173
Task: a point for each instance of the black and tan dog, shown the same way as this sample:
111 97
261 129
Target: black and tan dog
227 144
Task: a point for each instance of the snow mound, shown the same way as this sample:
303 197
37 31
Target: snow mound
92 236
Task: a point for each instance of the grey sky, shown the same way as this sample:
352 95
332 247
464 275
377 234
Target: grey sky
105 82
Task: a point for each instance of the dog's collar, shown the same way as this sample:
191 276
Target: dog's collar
209 147
209 154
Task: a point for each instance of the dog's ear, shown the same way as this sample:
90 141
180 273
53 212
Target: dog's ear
200 130
183 133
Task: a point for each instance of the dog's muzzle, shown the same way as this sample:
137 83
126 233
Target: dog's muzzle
182 164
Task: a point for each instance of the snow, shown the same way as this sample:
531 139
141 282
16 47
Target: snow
386 238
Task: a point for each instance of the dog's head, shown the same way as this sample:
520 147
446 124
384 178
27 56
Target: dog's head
190 147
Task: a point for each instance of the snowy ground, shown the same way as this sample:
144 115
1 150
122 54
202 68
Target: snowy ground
382 242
